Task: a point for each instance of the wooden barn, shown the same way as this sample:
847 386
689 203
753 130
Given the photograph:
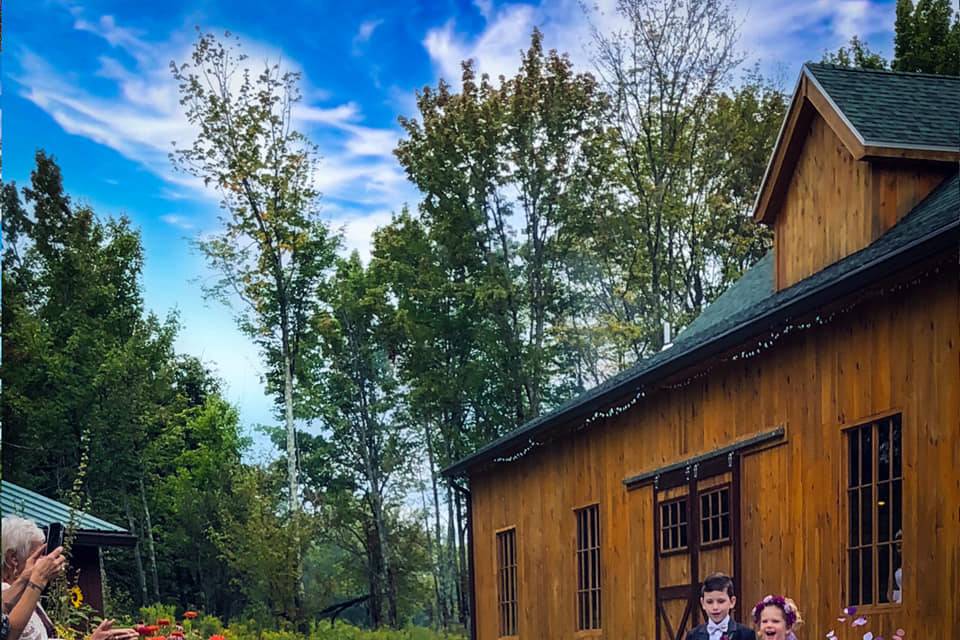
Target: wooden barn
802 434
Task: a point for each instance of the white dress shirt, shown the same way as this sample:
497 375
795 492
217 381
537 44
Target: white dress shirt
717 629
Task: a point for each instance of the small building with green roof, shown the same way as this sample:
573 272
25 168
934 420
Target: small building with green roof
91 533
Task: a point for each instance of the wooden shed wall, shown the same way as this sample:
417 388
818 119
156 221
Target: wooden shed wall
835 205
897 352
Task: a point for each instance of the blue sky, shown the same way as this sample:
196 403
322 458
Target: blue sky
89 82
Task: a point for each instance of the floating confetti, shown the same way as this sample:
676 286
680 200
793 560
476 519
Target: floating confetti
868 636
859 622
832 635
850 611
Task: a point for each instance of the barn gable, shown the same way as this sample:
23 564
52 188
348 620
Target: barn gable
851 160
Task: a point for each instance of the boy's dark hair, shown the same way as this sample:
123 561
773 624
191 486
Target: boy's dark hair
717 582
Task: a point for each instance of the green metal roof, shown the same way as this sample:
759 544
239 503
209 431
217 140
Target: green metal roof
932 226
17 501
894 108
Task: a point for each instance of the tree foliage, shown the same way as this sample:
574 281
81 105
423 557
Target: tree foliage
855 54
927 37
274 249
926 40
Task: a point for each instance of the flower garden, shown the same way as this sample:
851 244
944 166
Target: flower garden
160 622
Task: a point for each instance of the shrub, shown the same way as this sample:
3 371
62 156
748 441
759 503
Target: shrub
157 611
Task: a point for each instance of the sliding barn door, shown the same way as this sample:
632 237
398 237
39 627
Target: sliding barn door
696 525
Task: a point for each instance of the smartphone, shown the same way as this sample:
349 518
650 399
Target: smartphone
54 536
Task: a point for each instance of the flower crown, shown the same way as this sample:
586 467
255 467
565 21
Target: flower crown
789 611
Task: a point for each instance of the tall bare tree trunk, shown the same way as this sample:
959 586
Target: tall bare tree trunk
374 556
292 468
443 609
150 548
141 578
431 549
463 588
451 556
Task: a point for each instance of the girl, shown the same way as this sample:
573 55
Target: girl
776 618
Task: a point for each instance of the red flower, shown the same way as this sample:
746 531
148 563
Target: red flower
158 638
176 634
163 622
151 628
190 615
217 637
142 630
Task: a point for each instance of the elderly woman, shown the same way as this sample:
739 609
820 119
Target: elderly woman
22 599
22 542
26 572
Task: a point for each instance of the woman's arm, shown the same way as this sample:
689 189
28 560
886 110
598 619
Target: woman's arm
45 568
24 608
12 593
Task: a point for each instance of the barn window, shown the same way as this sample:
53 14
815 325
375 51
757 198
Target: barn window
588 567
715 516
507 581
673 525
875 511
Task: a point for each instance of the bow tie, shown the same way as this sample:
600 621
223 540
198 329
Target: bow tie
713 626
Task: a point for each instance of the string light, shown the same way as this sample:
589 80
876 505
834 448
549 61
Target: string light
760 345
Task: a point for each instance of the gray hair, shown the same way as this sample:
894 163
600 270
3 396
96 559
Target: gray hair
21 535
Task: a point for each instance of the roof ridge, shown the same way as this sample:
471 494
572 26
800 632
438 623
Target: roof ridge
894 72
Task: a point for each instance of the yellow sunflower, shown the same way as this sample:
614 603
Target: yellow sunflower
76 597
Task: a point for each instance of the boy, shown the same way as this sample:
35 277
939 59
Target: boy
717 600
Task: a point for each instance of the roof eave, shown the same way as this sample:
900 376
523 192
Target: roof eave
92 538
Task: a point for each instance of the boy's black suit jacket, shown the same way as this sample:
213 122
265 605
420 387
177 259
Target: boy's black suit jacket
735 631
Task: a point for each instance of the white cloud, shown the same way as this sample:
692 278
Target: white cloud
496 50
142 118
335 116
178 221
773 32
366 31
485 7
793 32
106 28
358 231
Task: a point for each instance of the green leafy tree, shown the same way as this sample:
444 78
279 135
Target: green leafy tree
82 360
654 245
927 37
440 329
856 54
274 249
261 543
358 402
196 466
